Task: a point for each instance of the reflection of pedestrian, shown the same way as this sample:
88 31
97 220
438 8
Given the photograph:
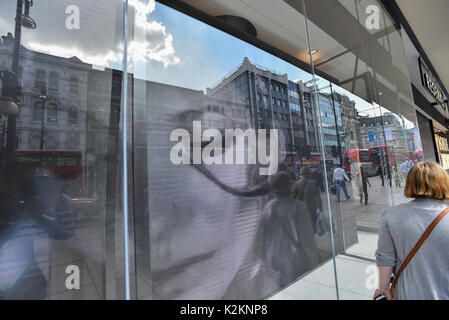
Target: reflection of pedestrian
26 280
340 178
397 175
318 175
306 189
362 184
347 166
426 276
381 174
289 244
404 167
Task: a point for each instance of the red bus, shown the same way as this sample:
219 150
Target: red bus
66 164
358 155
375 154
361 157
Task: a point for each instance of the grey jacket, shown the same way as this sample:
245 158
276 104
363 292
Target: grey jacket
427 275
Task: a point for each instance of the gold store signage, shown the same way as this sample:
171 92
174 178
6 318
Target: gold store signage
429 82
442 143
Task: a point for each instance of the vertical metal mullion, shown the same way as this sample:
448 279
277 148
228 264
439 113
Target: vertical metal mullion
322 148
125 149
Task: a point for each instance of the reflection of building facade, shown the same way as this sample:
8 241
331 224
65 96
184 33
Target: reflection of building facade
350 122
266 94
303 116
99 104
385 130
332 125
65 106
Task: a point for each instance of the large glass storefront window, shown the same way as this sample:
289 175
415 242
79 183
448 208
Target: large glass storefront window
262 137
60 235
379 140
224 134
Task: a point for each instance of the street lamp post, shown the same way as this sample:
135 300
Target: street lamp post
335 119
22 19
336 126
43 97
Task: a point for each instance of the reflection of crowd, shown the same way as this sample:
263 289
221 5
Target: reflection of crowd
289 227
32 207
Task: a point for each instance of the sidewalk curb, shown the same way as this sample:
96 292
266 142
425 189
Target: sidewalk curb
368 229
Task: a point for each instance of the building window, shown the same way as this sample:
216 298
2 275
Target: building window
273 101
72 143
37 111
52 112
35 143
51 143
54 81
40 79
74 85
73 115
268 114
265 99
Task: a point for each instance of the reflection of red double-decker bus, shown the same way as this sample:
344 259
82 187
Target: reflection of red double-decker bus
380 155
358 155
65 164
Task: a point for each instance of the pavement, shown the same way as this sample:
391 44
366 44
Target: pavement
356 277
367 216
356 241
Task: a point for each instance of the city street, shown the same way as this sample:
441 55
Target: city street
367 215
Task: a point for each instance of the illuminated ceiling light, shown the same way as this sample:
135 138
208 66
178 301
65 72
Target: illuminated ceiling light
314 51
380 93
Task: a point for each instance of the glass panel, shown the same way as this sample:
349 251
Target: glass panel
427 136
368 120
60 223
214 218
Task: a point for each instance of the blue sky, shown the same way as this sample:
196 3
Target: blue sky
207 55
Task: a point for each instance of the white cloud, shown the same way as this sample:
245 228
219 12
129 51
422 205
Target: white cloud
101 59
159 46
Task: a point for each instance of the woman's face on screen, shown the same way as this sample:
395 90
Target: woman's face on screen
199 233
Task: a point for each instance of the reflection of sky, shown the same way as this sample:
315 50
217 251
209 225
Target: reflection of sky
207 55
180 50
